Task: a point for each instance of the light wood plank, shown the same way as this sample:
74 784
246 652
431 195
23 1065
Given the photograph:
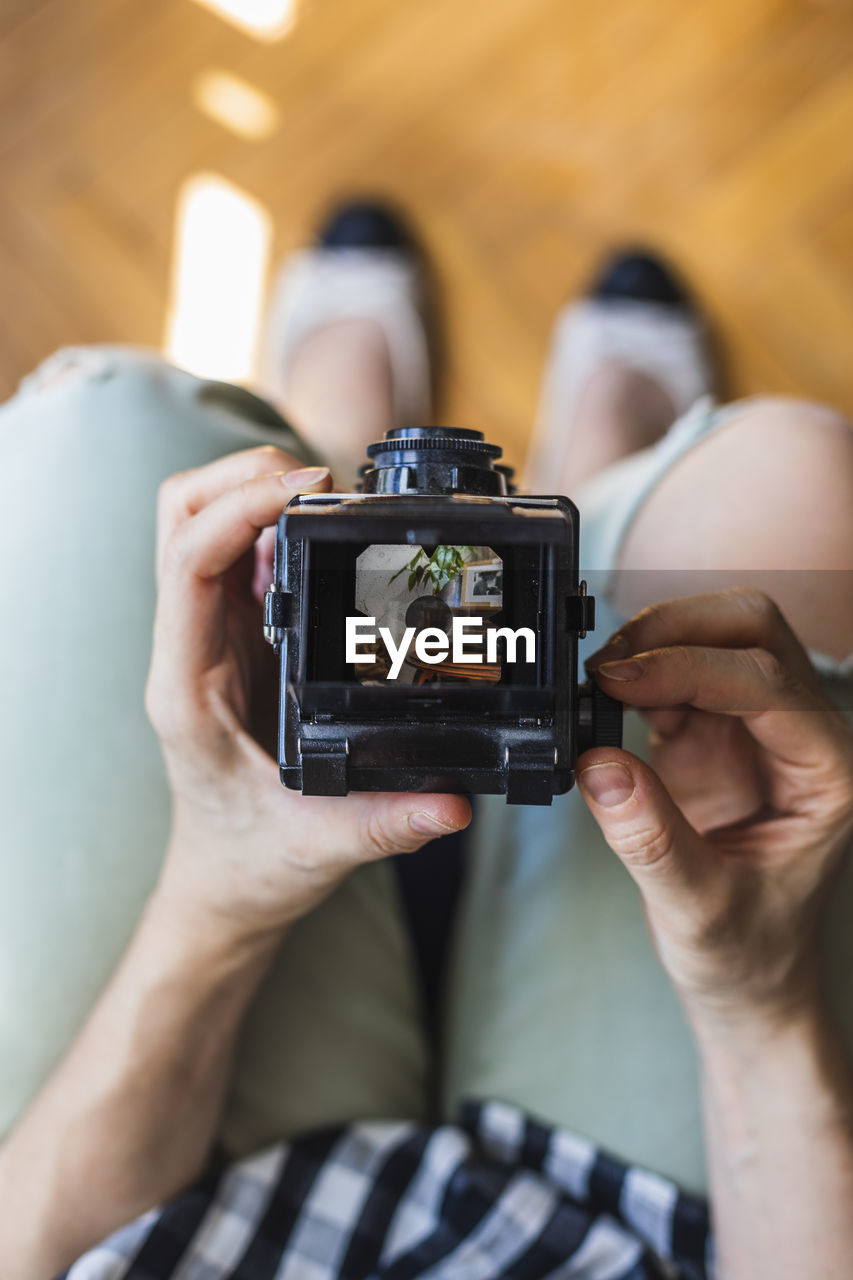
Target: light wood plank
527 138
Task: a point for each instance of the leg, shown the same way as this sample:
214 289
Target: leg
619 411
558 1002
624 361
345 413
766 501
345 349
86 808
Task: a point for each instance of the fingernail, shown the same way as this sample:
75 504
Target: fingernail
616 647
304 477
622 670
608 784
426 825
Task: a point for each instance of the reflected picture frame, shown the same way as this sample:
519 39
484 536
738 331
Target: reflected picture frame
482 584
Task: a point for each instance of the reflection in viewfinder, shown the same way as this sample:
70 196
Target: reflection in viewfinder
427 600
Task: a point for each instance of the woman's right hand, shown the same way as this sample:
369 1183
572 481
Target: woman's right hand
245 853
735 834
734 839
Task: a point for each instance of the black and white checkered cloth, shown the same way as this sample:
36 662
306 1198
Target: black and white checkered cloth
495 1195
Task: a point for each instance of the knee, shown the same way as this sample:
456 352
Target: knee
70 385
796 458
789 422
105 388
769 492
773 487
71 366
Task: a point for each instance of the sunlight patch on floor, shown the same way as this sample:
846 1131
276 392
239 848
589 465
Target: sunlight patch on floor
221 258
263 19
236 105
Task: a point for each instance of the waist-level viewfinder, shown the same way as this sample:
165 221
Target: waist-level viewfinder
428 630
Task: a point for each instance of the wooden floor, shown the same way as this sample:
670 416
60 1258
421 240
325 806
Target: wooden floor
526 137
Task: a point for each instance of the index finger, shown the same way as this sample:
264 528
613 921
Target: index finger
185 493
189 625
735 619
796 723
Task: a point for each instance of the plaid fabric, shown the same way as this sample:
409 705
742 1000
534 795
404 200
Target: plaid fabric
495 1195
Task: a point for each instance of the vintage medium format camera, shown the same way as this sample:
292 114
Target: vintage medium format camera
428 630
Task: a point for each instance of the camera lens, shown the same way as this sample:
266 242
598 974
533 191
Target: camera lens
435 460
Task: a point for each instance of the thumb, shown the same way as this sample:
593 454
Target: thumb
402 823
643 826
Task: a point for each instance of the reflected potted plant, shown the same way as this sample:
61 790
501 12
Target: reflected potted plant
436 570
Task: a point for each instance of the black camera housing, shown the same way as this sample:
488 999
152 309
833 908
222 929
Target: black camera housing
520 735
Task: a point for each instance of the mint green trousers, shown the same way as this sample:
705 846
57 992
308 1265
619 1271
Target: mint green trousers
555 999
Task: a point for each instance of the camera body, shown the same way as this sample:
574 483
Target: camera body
428 629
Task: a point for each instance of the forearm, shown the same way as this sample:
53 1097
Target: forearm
128 1117
779 1121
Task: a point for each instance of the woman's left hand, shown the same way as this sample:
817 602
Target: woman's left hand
247 856
734 836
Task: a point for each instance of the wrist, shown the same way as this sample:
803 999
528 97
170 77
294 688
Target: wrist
741 1027
755 1000
751 1052
767 1084
226 875
245 878
191 933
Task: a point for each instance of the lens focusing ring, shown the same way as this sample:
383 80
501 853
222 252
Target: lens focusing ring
454 444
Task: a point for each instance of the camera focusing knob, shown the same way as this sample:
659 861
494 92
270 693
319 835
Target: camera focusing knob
599 718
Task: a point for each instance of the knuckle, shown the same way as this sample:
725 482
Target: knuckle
770 622
169 488
647 846
840 805
247 488
771 670
649 623
175 551
159 706
268 461
763 608
174 719
840 800
273 455
681 655
377 840
171 507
